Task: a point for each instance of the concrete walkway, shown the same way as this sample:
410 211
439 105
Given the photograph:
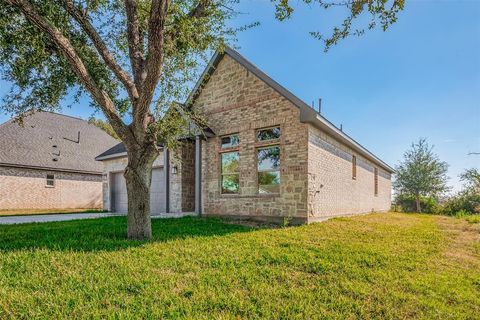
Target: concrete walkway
51 217
78 216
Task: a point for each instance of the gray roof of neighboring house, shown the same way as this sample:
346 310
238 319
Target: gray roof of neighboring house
53 141
307 114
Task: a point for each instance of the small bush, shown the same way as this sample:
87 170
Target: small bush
404 203
473 219
461 214
465 201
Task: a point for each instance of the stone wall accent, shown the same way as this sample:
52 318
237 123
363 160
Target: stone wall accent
22 188
236 101
182 184
332 190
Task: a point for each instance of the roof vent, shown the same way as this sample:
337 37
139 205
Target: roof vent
55 159
54 146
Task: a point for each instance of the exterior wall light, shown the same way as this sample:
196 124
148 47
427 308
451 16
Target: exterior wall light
174 169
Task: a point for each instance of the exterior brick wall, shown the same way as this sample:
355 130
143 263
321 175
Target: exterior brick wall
236 101
22 188
332 190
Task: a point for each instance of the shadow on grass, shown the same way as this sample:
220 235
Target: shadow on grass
105 234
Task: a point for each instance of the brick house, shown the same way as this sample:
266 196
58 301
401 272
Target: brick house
49 163
268 156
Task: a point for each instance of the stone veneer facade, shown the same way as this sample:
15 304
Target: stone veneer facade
22 188
316 170
236 101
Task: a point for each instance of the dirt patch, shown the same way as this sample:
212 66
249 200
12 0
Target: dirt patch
464 238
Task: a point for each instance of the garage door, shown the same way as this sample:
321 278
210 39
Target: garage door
157 192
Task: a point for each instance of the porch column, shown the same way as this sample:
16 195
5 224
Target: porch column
166 172
198 175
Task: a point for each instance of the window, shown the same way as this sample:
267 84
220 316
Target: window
375 173
268 134
268 170
50 180
230 141
354 167
230 172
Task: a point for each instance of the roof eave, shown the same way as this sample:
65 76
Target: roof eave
22 166
111 156
308 115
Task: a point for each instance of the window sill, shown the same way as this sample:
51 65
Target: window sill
47 186
267 143
252 196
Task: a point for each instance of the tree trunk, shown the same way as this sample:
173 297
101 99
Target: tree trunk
417 201
138 176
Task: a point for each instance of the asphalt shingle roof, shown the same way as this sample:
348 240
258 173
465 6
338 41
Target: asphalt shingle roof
54 141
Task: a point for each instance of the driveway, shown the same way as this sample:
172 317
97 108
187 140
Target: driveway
51 217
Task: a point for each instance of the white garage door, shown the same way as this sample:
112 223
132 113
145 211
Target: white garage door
157 192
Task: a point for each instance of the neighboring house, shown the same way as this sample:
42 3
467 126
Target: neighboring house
48 163
270 156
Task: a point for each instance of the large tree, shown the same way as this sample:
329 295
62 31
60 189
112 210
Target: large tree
133 58
421 173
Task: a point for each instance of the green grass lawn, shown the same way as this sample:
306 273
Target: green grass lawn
373 266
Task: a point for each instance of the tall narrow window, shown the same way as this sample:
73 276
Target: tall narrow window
50 180
376 181
230 172
268 160
354 167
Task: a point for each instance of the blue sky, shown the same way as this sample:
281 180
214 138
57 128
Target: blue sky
421 78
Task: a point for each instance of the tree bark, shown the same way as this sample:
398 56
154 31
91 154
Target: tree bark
417 201
138 177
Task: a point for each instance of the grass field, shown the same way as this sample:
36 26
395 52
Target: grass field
374 266
28 212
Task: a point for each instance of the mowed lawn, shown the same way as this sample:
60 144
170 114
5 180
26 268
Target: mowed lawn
372 266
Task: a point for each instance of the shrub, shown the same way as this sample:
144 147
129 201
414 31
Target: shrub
405 203
467 201
473 219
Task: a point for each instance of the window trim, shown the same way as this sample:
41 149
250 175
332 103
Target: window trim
47 179
375 181
354 167
257 149
229 173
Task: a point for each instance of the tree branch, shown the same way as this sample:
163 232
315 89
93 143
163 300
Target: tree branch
200 9
101 47
135 41
154 62
68 51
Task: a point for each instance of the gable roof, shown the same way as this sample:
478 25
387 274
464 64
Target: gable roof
307 114
53 141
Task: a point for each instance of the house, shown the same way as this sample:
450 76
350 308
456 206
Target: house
269 156
49 162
